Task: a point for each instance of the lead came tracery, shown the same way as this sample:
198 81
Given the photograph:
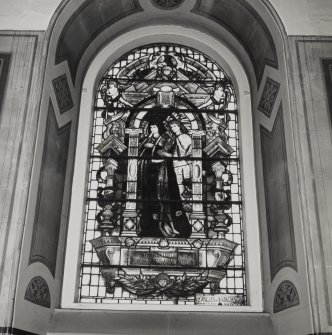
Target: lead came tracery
163 213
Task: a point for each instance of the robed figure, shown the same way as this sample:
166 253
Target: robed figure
163 170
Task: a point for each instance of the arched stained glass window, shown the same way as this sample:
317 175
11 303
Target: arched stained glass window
163 217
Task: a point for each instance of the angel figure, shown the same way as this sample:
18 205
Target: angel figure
112 95
218 99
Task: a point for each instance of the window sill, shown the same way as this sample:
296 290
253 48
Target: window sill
158 322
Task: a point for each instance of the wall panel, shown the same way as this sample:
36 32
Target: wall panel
18 128
51 186
277 197
314 149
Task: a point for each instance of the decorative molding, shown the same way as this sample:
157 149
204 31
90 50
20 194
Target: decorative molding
24 75
38 292
277 197
45 237
269 96
62 93
321 48
4 67
286 296
14 331
327 69
167 4
163 284
246 25
89 20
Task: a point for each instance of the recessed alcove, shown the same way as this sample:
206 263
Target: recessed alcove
248 41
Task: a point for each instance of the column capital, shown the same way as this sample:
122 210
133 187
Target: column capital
218 167
133 131
111 163
197 133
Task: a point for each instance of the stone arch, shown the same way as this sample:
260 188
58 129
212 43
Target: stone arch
260 26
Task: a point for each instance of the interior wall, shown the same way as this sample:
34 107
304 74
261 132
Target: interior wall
18 127
41 265
300 17
284 265
285 116
310 78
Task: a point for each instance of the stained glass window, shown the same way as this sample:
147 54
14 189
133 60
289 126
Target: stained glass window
163 221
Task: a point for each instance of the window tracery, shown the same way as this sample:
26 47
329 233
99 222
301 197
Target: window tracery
163 213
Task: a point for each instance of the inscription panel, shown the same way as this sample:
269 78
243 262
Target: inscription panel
219 299
173 258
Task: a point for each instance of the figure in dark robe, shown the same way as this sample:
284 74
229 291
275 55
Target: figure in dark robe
162 176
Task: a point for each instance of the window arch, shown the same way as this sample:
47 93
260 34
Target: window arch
184 88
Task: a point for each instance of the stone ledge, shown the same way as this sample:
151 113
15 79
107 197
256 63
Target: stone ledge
158 322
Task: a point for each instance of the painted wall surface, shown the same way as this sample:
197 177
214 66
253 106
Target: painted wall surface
277 197
50 194
300 17
314 150
284 266
305 17
26 15
18 128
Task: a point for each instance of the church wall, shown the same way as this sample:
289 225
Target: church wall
284 267
18 128
298 121
305 17
41 267
312 126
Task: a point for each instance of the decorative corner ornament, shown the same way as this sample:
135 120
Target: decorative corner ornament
38 292
269 97
285 297
62 93
167 4
172 286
